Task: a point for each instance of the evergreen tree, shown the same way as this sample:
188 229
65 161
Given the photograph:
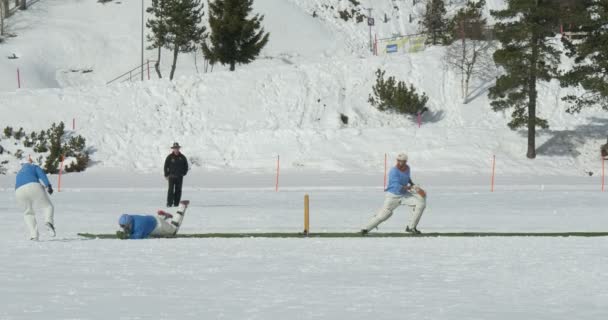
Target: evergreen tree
590 52
434 22
184 32
158 27
527 56
234 38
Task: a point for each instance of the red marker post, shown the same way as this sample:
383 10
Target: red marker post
384 172
60 172
276 188
493 172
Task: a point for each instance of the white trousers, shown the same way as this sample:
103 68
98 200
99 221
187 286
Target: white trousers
164 228
391 202
33 196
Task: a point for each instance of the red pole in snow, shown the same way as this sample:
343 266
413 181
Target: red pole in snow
18 79
276 188
384 172
493 171
73 124
419 119
60 172
603 174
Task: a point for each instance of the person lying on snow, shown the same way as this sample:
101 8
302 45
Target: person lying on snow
140 226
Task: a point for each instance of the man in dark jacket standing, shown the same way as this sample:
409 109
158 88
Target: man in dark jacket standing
176 167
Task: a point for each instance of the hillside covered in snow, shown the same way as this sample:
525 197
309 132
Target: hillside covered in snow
305 99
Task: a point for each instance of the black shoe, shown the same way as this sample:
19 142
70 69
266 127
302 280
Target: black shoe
412 230
51 228
364 232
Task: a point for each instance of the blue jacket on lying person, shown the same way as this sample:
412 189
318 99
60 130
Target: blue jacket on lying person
136 226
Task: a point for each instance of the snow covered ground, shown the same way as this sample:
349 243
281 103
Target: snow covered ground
452 278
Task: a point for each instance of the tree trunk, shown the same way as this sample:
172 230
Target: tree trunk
157 64
463 67
23 5
175 53
232 64
532 97
5 3
1 17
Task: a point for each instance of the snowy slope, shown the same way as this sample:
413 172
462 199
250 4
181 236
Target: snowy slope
288 103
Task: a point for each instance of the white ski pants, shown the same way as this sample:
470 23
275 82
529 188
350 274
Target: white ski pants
163 228
30 196
391 202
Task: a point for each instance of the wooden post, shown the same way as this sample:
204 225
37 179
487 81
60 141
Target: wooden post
306 214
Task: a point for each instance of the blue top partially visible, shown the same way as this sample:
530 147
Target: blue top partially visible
31 173
142 226
397 179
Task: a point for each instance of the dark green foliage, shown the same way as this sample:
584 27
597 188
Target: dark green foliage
41 142
392 95
19 154
589 19
435 24
8 132
55 133
19 134
82 161
183 26
469 23
76 148
234 37
346 15
355 2
527 56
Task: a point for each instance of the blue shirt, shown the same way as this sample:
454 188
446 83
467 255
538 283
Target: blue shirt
142 226
396 180
31 173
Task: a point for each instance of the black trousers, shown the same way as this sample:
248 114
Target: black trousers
174 194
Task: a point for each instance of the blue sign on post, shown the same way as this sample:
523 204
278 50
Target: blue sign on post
391 48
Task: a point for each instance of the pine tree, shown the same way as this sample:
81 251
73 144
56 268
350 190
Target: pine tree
434 22
590 52
184 32
527 57
158 27
234 38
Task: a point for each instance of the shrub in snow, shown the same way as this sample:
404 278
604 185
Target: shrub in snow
391 94
8 132
57 143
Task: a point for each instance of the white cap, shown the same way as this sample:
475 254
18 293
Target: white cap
402 156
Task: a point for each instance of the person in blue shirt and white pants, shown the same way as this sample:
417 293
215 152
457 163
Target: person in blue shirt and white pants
30 194
401 190
142 226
